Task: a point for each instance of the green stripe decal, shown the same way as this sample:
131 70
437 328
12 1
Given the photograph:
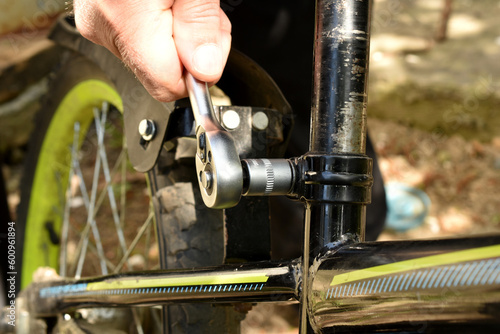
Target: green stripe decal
418 263
243 278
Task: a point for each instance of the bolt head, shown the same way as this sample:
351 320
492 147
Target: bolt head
147 129
230 119
260 121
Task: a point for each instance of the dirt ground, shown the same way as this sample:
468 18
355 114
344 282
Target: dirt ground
434 110
461 178
433 116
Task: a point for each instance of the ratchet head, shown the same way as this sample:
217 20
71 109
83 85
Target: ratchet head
218 164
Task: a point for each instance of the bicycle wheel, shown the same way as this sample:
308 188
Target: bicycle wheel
84 212
79 197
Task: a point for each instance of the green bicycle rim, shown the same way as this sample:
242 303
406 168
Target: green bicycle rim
52 170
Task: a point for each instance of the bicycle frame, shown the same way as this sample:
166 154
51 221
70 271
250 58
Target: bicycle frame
342 283
352 287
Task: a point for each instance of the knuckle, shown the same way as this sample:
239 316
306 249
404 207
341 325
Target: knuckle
162 94
162 89
85 19
196 11
120 44
94 22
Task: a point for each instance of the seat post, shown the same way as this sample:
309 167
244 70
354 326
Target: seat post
337 207
337 174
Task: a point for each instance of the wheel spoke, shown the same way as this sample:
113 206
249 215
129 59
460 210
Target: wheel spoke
110 265
107 177
103 193
83 188
91 246
100 200
64 229
144 227
137 322
123 184
148 241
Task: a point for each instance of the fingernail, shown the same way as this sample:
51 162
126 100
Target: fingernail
207 59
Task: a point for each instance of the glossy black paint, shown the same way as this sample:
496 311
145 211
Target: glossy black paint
430 307
147 288
338 130
415 294
338 110
336 172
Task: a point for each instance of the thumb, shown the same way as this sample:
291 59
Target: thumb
202 35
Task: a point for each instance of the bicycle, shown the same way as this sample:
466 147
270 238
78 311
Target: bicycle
342 283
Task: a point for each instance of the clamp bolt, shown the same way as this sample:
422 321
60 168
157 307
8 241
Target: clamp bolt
147 129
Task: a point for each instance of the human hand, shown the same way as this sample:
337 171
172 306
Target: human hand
157 39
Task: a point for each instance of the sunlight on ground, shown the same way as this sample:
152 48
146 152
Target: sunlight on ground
462 25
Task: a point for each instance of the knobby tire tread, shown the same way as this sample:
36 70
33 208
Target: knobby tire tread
195 238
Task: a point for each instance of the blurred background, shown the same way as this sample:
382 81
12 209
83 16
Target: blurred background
434 108
434 101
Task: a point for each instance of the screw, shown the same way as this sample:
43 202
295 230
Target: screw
230 119
147 129
260 121
206 179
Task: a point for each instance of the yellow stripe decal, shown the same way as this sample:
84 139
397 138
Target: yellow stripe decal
414 264
244 278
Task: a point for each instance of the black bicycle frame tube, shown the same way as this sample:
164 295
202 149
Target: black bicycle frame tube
262 281
450 285
338 113
359 287
337 212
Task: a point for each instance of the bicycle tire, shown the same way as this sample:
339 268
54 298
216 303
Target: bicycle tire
35 161
76 88
164 180
193 242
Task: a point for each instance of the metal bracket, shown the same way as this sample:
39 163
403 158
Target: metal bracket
138 104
